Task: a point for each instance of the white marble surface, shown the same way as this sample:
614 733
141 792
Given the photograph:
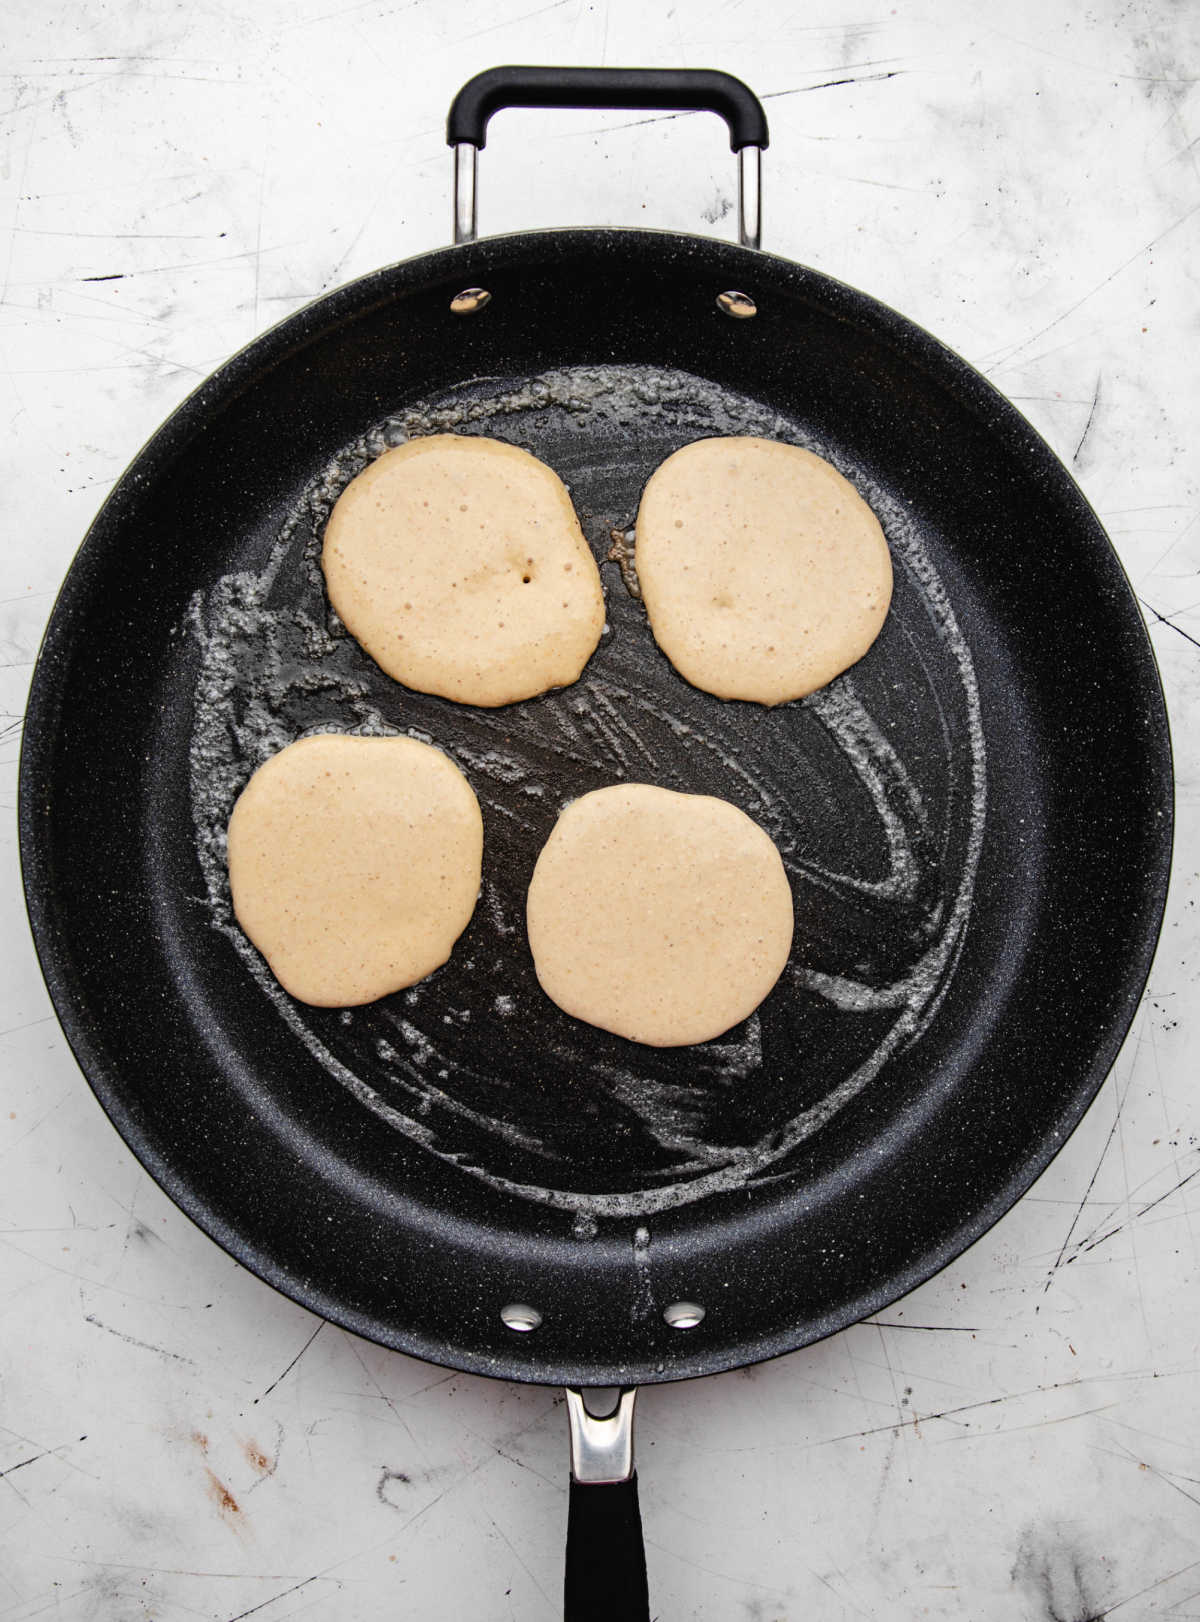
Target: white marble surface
1020 1439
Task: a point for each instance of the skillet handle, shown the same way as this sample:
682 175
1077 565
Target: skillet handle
663 89
606 1557
668 89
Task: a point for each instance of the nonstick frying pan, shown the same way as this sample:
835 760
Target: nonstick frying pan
976 821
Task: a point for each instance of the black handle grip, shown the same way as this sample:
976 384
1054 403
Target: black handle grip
668 89
606 1558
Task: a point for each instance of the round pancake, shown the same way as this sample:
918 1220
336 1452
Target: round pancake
459 565
663 917
763 571
354 864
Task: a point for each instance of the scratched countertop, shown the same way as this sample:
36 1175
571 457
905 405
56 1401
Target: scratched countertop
1018 1439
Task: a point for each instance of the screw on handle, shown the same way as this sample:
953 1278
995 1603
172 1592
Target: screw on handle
668 89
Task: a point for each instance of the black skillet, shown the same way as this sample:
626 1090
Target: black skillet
976 820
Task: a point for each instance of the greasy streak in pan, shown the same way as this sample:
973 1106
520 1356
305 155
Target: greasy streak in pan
874 790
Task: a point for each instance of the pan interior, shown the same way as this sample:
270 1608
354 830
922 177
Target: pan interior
874 789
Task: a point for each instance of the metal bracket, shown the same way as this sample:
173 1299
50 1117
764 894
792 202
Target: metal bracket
466 210
466 194
601 1448
750 197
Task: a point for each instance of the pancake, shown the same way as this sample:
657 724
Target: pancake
763 571
663 917
354 865
458 563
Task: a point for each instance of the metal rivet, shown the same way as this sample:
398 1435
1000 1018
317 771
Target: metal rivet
471 300
739 305
684 1314
520 1317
